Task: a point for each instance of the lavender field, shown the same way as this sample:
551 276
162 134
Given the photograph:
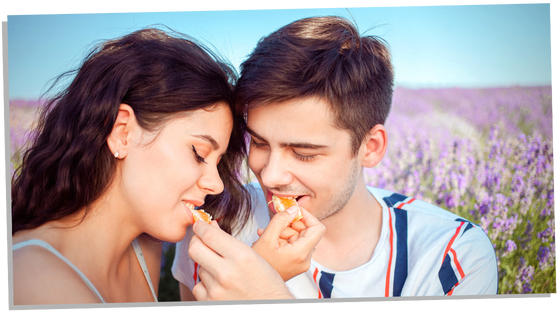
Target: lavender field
485 154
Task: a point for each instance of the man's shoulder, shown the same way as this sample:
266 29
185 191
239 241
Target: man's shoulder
414 207
430 229
427 221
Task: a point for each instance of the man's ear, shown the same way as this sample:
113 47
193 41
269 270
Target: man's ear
375 146
119 139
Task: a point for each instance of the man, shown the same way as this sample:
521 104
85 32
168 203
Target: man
317 96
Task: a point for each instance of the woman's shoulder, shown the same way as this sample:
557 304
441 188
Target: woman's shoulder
41 277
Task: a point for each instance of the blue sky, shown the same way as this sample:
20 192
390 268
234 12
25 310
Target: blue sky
432 46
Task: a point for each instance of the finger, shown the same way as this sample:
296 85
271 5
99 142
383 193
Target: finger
215 223
311 236
204 255
308 219
199 291
298 226
205 277
218 240
289 234
211 285
278 223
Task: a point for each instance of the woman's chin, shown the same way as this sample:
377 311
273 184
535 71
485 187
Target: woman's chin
174 237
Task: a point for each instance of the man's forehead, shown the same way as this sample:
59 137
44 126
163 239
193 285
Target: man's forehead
299 140
313 106
303 123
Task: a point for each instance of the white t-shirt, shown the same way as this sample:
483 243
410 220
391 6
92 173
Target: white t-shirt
423 250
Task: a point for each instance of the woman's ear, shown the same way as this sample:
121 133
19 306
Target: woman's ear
125 124
375 146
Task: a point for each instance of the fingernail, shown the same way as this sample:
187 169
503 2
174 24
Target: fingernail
292 209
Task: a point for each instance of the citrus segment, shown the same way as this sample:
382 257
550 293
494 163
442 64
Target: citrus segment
283 203
201 215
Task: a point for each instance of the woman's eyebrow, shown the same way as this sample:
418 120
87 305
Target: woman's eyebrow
302 145
209 139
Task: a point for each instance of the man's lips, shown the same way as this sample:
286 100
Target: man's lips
299 198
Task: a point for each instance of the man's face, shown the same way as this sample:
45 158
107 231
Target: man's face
297 151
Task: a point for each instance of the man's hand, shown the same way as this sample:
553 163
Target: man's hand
288 246
231 270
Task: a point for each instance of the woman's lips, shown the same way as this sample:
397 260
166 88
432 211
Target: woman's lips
189 207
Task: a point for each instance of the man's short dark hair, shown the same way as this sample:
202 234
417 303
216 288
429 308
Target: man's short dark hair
322 57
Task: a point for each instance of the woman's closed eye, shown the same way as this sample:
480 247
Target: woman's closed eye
197 157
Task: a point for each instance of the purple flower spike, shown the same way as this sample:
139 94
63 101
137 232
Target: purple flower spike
510 246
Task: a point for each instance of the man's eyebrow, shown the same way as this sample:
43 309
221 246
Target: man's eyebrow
301 145
208 138
254 134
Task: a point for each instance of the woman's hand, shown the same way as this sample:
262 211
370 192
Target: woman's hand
288 246
231 270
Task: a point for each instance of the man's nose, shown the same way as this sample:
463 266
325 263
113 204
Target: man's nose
276 172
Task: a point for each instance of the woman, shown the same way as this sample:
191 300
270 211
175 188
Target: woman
140 137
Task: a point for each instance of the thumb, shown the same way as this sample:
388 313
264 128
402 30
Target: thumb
279 222
215 223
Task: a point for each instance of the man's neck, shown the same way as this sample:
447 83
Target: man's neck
352 233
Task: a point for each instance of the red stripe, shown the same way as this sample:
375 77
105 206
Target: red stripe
195 274
315 279
457 263
451 241
450 292
388 279
404 203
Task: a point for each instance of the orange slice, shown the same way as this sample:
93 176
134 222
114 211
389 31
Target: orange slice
201 215
283 203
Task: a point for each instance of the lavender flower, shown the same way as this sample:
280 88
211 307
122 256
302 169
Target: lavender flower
510 246
524 277
527 288
545 235
543 256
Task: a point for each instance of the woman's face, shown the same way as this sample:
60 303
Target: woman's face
168 173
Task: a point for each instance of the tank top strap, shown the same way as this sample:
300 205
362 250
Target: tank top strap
142 261
47 246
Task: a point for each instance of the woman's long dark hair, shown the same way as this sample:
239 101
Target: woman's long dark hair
160 74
